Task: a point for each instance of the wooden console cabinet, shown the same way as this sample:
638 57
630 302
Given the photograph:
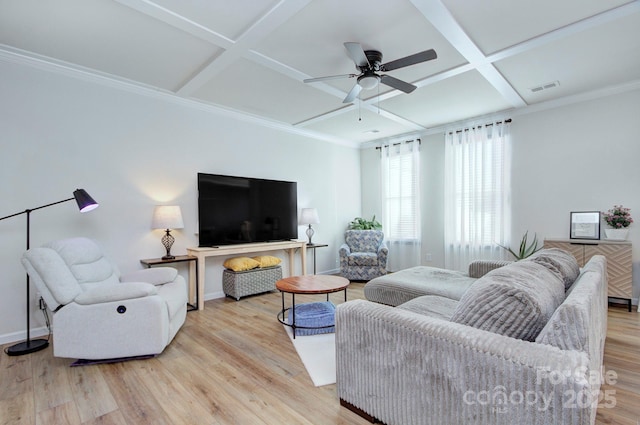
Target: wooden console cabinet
619 261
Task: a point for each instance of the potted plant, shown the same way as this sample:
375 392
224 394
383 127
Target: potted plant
619 219
525 249
360 223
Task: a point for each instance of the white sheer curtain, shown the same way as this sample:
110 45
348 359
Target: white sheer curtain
401 203
477 194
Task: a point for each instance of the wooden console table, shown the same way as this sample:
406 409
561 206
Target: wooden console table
619 261
201 253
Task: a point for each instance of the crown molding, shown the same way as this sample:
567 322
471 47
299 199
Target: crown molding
43 63
512 112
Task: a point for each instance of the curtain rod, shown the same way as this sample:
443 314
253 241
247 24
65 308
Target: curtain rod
508 120
399 143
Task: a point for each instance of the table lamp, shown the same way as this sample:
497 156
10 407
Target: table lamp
309 216
167 217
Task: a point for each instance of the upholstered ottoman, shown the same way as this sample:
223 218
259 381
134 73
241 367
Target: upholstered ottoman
249 282
313 318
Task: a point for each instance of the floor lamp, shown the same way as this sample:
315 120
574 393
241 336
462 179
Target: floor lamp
85 203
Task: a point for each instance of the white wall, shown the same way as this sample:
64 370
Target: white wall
582 157
578 157
130 152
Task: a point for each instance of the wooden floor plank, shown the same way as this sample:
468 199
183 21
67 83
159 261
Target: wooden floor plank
65 413
51 378
91 392
233 363
17 410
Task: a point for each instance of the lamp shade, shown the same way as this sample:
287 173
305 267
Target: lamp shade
84 201
167 217
368 82
309 216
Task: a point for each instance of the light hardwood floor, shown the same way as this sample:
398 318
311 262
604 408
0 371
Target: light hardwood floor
232 363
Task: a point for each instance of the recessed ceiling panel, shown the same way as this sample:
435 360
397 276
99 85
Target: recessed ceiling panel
105 36
359 125
463 96
252 88
228 18
312 40
496 24
586 61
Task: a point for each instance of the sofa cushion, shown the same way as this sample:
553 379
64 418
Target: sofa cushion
516 300
399 287
43 265
560 261
363 240
431 305
576 325
86 262
362 259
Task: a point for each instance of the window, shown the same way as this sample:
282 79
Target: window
477 194
401 203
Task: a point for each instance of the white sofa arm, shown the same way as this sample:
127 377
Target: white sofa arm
155 275
403 367
118 292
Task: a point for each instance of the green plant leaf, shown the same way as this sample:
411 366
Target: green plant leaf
525 249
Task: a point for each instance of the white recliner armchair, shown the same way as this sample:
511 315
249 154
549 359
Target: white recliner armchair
97 314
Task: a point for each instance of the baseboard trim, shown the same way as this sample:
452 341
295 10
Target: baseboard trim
22 335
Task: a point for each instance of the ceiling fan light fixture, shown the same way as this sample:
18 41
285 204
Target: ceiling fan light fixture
368 82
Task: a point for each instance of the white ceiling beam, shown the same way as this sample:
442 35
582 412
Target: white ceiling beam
568 30
269 22
162 14
292 73
440 17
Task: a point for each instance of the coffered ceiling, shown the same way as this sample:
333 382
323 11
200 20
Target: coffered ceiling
250 57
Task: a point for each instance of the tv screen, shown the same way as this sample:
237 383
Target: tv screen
234 210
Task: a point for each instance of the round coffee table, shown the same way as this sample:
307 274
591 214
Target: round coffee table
308 284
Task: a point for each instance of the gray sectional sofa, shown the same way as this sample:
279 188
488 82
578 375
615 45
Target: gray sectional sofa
522 344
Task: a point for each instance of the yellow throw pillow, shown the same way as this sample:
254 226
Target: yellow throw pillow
238 264
267 260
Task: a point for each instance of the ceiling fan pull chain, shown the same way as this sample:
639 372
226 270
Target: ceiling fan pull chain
359 109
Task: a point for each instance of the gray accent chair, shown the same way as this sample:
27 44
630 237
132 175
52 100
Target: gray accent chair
98 314
363 256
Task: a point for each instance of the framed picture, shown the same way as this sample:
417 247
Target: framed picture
585 225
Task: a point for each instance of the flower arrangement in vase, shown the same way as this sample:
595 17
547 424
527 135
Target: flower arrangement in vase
618 218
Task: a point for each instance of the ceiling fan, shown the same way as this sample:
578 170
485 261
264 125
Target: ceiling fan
369 64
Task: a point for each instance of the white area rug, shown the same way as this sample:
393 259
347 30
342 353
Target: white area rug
318 354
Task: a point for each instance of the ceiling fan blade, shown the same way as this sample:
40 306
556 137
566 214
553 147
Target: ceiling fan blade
330 77
397 84
355 91
427 55
356 53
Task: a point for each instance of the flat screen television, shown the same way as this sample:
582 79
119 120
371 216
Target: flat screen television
234 210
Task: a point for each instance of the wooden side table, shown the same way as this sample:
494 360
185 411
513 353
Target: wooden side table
193 287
